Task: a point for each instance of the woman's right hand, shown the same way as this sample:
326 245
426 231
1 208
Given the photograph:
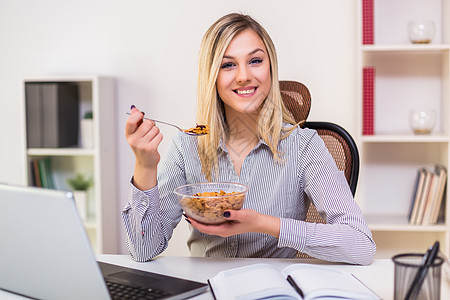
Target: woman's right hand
144 137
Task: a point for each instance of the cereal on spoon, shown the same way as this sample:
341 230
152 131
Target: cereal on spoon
199 129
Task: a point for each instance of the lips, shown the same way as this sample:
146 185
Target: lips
245 91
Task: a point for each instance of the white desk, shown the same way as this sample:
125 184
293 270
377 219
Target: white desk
379 276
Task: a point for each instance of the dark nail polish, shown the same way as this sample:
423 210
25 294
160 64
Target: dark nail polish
132 106
226 214
143 113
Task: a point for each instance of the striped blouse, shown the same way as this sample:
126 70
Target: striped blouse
275 188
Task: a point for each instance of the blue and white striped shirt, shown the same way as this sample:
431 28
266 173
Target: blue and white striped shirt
275 189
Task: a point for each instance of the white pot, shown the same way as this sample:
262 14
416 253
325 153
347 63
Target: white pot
87 133
81 203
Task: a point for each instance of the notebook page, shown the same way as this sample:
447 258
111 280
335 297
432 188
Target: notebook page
319 280
252 282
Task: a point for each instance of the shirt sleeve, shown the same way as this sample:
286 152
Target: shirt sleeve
345 237
149 217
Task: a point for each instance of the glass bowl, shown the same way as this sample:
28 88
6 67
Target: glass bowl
421 32
422 121
205 202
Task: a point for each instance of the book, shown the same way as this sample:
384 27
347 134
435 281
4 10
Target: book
418 184
431 199
42 173
428 194
60 108
438 201
296 281
367 22
422 174
368 100
33 108
44 165
424 196
52 114
35 172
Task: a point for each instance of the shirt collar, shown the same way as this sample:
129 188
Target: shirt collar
223 147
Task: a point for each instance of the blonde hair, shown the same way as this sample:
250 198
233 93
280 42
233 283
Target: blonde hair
209 105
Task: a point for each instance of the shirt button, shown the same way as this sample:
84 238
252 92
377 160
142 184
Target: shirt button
144 203
233 244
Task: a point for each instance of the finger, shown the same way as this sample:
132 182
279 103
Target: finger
133 109
240 215
133 121
231 215
157 139
153 130
147 130
152 143
146 139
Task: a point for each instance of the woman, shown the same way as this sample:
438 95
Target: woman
253 141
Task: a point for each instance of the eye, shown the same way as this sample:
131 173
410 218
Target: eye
227 65
255 61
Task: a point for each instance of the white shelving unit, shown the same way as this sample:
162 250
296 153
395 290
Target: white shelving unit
407 76
96 94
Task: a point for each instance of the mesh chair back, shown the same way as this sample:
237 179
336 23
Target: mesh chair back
342 147
297 99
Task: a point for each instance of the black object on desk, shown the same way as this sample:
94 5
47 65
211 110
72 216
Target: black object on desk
427 262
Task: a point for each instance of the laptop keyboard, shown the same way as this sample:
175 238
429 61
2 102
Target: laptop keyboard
120 291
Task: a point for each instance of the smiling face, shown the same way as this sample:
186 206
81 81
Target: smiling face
244 78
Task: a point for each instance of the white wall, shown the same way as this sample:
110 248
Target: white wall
150 48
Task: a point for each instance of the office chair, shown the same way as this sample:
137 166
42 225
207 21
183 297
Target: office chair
340 144
296 98
342 147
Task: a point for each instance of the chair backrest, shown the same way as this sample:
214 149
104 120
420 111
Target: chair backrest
340 144
296 98
342 147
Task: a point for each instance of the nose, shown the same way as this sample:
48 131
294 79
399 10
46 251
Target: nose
242 74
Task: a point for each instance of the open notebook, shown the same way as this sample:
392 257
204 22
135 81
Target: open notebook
46 254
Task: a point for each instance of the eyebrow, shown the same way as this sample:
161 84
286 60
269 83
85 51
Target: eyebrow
251 53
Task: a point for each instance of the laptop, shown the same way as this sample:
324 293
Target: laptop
45 253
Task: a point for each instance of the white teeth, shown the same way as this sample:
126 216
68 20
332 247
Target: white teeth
245 92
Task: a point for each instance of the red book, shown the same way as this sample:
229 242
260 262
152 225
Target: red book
368 101
367 22
36 174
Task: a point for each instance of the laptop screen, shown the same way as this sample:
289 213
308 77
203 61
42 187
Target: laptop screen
46 253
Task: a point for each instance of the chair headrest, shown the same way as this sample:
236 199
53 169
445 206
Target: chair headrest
296 98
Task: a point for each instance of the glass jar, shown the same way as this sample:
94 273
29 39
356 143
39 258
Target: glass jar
421 32
422 121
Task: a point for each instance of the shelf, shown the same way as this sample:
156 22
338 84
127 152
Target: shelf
60 152
406 48
95 94
396 77
76 78
399 223
404 138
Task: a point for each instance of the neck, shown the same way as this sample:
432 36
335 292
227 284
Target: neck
241 125
243 133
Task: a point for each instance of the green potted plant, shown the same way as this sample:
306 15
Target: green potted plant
80 184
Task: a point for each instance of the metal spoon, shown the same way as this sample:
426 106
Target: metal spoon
180 129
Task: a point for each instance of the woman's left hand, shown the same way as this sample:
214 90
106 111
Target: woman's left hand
241 221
